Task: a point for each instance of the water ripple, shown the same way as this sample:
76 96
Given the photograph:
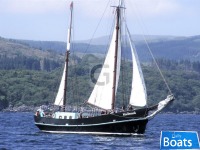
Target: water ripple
19 133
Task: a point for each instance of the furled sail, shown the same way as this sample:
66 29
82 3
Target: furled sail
101 95
138 92
60 94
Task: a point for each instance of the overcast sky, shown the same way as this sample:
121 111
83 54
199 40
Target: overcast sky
48 20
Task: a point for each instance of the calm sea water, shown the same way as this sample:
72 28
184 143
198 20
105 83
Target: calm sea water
18 132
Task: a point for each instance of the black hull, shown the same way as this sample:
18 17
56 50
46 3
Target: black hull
123 123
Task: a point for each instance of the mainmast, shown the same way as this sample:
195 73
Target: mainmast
104 92
67 57
116 56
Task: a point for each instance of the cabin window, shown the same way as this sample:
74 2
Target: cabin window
60 117
70 117
65 117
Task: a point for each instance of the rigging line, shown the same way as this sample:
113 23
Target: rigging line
123 66
158 67
125 42
89 44
149 49
126 55
127 89
110 37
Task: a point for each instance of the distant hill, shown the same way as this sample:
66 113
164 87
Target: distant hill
167 47
174 49
15 55
136 38
30 71
82 46
60 47
12 48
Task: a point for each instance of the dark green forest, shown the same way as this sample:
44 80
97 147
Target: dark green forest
27 63
30 72
24 83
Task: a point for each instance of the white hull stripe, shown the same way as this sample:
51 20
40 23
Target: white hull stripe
96 133
84 125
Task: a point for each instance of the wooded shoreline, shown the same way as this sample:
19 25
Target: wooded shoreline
24 108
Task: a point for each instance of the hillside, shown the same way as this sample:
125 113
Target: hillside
31 75
168 47
14 55
34 88
176 49
11 48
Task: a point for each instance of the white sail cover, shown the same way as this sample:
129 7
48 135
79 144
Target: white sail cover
60 94
101 95
138 92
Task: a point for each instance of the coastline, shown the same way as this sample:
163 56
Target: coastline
24 108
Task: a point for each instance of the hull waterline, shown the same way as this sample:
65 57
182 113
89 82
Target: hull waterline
111 124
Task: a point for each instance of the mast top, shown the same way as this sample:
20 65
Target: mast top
120 5
121 2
